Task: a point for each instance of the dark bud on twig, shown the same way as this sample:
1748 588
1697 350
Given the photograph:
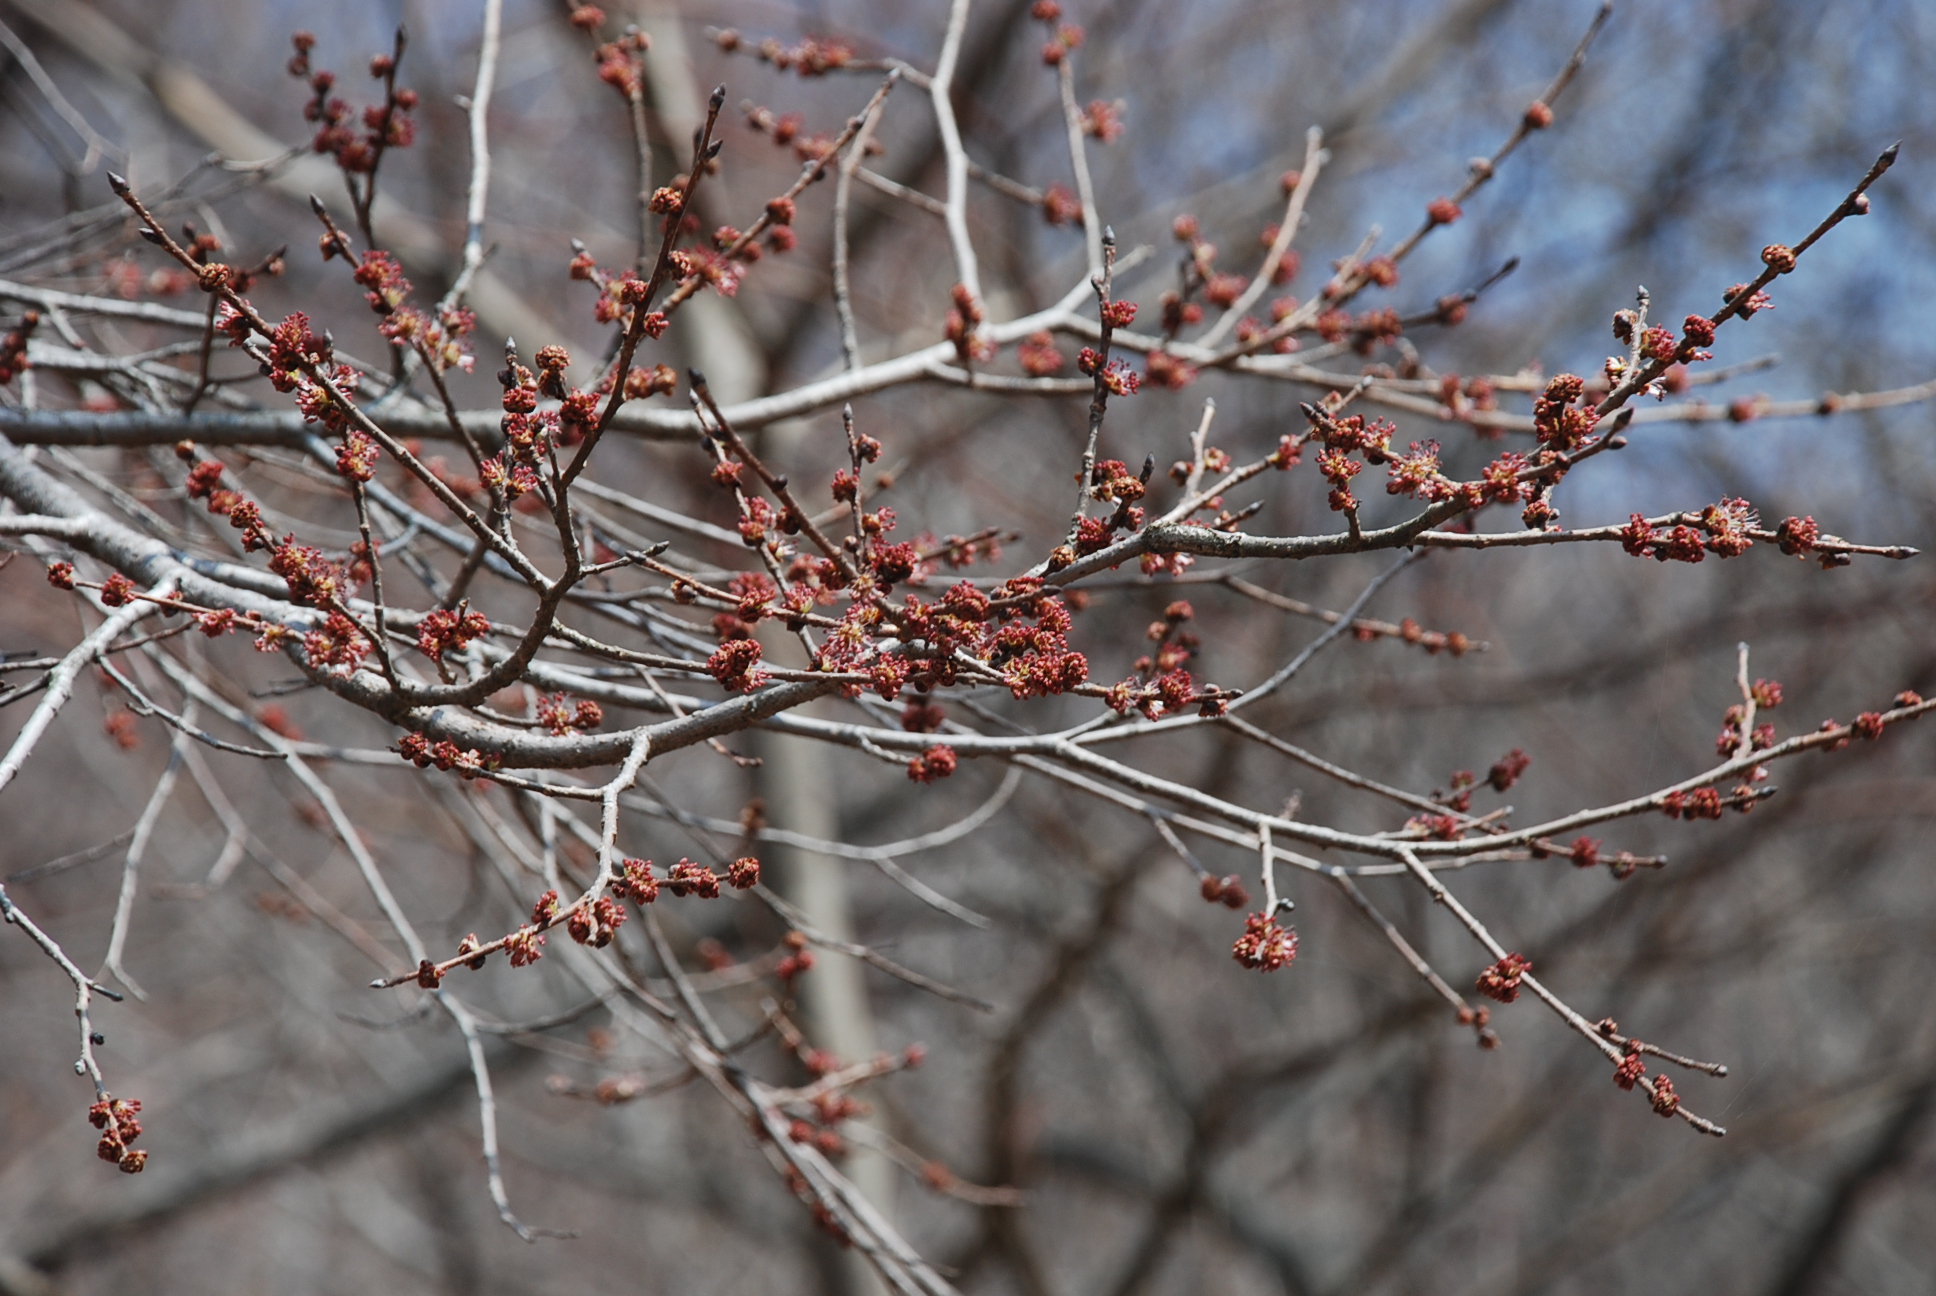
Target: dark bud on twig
1888 158
1859 205
316 206
697 379
1149 466
712 149
718 99
119 184
154 236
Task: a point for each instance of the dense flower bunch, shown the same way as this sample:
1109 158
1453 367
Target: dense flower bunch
1501 980
13 347
118 1119
386 125
1266 944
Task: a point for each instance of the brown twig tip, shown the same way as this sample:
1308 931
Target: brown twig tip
118 183
718 99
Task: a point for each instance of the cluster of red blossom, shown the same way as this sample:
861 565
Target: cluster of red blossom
1629 1071
386 125
1116 375
13 347
621 62
119 1123
963 328
559 714
445 755
593 922
1586 854
1722 529
812 57
1064 37
937 762
1160 685
446 629
1501 980
1227 891
1266 944
439 340
789 130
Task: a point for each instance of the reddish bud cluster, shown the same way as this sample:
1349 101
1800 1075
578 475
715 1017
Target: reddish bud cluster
1666 1101
118 1119
1508 769
687 878
1501 980
963 327
1226 891
1039 356
1758 302
13 347
597 923
555 714
1103 120
117 591
1165 370
1557 423
735 664
1059 206
1701 803
621 64
1116 376
1797 536
386 125
447 629
1266 944
937 762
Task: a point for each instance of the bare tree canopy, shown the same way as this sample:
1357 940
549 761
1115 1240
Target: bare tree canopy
1073 647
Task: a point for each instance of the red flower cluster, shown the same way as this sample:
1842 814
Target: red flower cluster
1039 356
597 923
1557 421
561 719
1117 376
1226 891
445 755
688 878
1265 944
118 1119
937 762
636 883
386 125
339 646
1501 980
963 327
735 664
447 629
1701 803
13 347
